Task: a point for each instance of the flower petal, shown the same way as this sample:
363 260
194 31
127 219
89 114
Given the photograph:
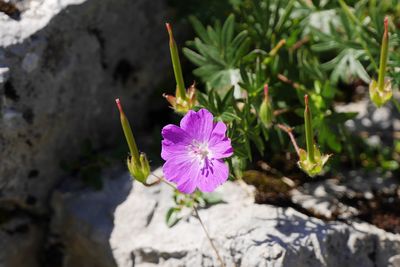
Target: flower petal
219 144
170 149
187 187
176 168
175 134
207 182
183 171
219 129
220 148
198 124
175 141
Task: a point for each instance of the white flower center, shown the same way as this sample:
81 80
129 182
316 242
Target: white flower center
203 155
199 150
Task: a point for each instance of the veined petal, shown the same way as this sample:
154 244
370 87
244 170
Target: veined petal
175 135
198 124
220 148
219 144
177 168
207 182
219 129
170 149
187 187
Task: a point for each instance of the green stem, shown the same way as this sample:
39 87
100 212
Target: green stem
309 131
384 57
176 64
128 134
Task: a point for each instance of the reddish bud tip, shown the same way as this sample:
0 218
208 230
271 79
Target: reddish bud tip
169 29
119 105
266 90
306 100
386 22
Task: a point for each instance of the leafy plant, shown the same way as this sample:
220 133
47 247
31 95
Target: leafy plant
217 52
298 48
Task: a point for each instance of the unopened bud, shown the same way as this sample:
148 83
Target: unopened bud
266 113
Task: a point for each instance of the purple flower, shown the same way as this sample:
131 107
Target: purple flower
194 152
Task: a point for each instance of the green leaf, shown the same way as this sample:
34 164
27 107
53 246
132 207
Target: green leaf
172 216
199 29
227 31
212 198
194 57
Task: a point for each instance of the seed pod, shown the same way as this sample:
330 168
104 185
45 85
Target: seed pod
381 92
138 165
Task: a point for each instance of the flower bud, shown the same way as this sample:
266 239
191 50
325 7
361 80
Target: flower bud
266 114
138 165
380 92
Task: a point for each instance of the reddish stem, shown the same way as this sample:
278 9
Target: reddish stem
291 136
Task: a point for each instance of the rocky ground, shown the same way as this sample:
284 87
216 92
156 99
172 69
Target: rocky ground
124 225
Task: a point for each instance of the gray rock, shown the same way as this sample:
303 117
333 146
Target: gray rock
19 242
62 64
245 233
323 197
83 219
378 124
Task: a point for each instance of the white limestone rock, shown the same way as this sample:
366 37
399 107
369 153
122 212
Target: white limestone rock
62 64
246 234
